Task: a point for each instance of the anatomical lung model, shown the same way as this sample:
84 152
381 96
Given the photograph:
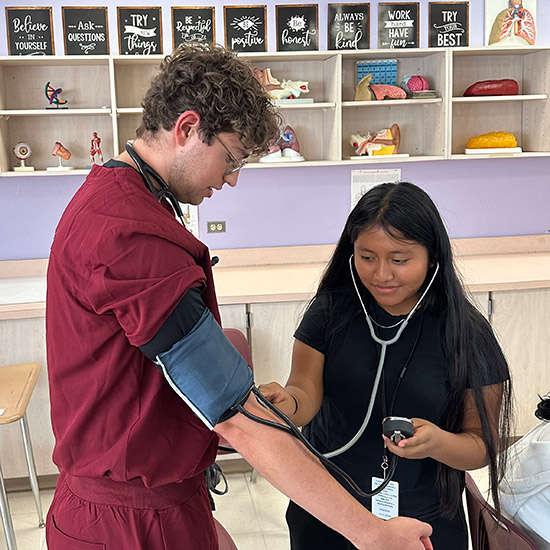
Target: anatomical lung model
514 26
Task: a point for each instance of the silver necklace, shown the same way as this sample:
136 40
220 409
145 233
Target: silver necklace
384 326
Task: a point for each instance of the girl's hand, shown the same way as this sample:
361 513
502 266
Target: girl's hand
423 444
279 396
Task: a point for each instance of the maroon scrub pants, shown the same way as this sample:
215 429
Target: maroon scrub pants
100 514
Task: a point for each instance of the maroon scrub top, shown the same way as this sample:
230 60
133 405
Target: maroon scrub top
119 264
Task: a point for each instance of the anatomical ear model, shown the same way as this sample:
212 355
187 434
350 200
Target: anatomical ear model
288 89
383 142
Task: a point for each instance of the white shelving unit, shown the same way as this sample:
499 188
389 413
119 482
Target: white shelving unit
526 115
104 94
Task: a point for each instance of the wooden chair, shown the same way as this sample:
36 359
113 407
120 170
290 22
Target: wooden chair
224 539
488 531
17 383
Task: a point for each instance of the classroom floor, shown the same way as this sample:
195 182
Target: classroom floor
252 512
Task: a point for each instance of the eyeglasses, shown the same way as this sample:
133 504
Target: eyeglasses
237 164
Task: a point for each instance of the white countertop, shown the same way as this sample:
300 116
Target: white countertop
285 274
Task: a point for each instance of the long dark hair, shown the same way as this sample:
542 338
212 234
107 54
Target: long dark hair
406 212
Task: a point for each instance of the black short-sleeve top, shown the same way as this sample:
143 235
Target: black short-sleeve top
351 360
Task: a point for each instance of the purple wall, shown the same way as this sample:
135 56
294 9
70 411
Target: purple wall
300 206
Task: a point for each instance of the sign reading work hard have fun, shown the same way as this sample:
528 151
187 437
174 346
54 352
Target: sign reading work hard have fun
29 31
398 25
85 31
193 24
245 28
297 28
348 26
448 24
139 31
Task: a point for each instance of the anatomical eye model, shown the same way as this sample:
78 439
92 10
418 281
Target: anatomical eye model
22 151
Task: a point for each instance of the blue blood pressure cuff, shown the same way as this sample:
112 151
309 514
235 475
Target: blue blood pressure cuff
207 372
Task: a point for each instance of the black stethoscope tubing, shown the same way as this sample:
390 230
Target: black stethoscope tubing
147 172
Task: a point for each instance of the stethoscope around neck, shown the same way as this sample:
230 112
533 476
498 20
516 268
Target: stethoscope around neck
383 346
148 173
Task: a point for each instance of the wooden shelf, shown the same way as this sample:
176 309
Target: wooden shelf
432 129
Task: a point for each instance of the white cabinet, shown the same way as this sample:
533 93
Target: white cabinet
104 95
23 341
273 326
521 321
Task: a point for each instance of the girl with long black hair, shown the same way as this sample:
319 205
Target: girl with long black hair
446 371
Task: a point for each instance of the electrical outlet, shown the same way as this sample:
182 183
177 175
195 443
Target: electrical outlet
215 227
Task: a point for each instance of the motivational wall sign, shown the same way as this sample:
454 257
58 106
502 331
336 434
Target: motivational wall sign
398 25
449 24
245 28
85 31
139 31
348 26
193 24
297 28
30 31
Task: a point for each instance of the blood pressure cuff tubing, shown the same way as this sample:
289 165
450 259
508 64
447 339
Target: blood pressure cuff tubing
207 372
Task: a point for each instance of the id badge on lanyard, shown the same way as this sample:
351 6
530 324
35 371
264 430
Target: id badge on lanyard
385 504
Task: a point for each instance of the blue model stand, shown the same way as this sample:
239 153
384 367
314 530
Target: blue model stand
383 71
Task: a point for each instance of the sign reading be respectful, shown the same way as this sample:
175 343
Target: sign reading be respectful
29 31
398 25
348 26
193 24
139 31
85 31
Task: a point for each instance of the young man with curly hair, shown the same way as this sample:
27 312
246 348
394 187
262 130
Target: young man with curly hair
132 328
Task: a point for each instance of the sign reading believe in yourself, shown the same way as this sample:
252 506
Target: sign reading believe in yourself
29 31
297 27
245 28
448 24
398 25
193 24
139 31
348 26
85 31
